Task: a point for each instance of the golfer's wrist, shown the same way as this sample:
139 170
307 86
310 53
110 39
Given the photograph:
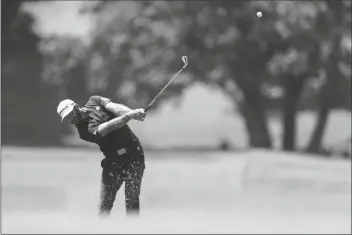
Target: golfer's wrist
126 118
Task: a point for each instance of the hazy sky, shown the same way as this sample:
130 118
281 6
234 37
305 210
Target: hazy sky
59 17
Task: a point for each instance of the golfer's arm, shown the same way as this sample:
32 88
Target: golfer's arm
117 109
113 124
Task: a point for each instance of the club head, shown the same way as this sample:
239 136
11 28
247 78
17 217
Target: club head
185 61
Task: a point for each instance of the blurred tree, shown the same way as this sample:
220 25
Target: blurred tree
28 105
301 69
291 68
135 46
131 40
132 54
235 46
288 36
333 26
64 67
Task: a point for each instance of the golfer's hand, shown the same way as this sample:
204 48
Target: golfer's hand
137 114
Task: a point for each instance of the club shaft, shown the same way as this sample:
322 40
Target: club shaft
152 102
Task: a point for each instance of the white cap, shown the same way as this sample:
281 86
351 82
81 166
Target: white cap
65 108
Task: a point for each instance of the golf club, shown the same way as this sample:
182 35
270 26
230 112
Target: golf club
185 63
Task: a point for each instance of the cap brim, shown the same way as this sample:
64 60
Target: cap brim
67 112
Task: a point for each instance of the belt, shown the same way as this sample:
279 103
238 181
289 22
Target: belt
121 151
124 150
111 158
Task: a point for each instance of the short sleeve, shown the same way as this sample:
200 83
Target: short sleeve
98 100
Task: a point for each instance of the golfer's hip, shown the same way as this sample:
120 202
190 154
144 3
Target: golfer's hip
123 156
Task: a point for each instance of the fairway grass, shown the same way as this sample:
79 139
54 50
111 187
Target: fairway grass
57 190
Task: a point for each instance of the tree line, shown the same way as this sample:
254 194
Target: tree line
296 57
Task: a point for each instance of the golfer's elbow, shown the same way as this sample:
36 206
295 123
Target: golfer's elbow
117 109
103 130
114 124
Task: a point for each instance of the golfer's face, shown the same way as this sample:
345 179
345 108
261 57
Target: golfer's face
73 117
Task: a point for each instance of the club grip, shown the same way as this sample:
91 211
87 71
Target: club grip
184 59
146 109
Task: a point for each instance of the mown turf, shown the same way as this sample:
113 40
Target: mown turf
56 190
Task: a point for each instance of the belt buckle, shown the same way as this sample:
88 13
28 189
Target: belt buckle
121 151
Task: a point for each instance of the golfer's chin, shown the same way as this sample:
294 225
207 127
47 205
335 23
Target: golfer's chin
75 121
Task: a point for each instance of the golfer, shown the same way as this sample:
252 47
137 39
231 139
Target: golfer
104 122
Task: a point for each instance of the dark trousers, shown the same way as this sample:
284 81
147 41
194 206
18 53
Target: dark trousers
126 169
